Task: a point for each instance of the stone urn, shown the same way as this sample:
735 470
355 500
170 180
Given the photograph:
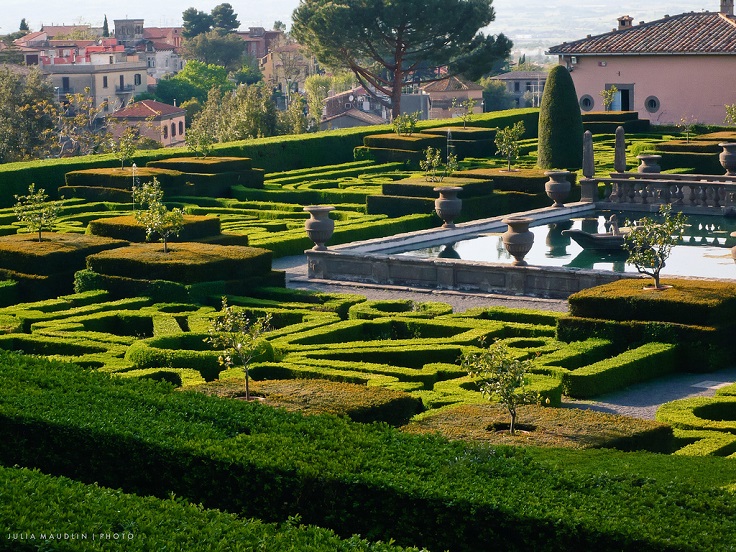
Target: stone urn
319 225
728 158
448 205
557 187
518 239
649 163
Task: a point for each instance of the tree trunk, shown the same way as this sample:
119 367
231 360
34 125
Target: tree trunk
513 421
396 95
247 386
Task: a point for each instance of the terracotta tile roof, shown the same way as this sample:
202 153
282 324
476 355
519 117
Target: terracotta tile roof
687 33
448 85
368 118
147 108
522 75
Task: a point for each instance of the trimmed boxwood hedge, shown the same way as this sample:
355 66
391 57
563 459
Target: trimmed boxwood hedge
418 186
691 302
56 253
123 178
203 165
126 227
42 511
646 362
358 479
368 310
186 263
518 180
415 142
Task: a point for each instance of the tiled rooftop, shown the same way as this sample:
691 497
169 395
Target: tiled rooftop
687 33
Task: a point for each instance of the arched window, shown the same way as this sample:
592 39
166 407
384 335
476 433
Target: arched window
173 130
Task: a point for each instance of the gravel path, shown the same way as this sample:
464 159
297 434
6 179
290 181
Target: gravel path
638 401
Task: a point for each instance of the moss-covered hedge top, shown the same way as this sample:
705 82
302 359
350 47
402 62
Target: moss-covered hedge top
694 302
415 142
126 227
55 253
185 262
467 133
205 165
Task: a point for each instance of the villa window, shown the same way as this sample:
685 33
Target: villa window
173 130
652 104
181 128
104 82
166 132
587 102
137 79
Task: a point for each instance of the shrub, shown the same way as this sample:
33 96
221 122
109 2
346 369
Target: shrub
560 123
368 310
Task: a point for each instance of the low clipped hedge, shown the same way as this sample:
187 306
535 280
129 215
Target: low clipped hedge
517 180
415 142
693 146
42 511
543 426
645 362
123 179
360 403
420 187
55 253
407 157
368 310
358 479
691 302
186 350
97 193
609 116
700 413
185 263
700 163
203 165
126 227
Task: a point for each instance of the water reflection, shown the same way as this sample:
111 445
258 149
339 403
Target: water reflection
556 241
448 252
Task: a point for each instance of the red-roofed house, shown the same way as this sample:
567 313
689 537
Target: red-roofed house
158 121
443 92
678 67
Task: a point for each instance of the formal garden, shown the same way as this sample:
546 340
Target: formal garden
123 361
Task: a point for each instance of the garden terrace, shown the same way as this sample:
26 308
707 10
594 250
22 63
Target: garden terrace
396 362
354 478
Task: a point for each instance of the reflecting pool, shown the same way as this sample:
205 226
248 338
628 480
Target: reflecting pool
705 250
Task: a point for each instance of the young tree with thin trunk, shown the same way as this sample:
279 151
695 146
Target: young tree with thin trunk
501 377
35 211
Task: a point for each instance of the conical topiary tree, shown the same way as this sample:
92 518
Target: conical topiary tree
560 123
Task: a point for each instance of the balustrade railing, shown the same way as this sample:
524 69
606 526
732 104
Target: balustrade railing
701 191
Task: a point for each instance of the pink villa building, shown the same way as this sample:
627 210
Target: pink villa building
678 67
158 121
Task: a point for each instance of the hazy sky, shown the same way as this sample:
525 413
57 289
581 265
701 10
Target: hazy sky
569 19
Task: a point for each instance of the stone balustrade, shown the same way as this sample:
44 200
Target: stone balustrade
683 190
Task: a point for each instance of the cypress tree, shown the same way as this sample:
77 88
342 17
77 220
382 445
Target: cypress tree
560 123
105 28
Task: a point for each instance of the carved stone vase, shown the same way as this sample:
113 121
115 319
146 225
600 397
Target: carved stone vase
448 205
728 158
557 187
319 225
649 163
518 239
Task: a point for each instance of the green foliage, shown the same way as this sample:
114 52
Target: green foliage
650 242
502 377
730 114
216 48
464 109
35 212
507 141
22 118
195 80
157 218
238 337
432 162
495 95
384 42
609 96
560 123
406 123
195 22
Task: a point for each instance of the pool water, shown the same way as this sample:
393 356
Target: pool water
705 250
